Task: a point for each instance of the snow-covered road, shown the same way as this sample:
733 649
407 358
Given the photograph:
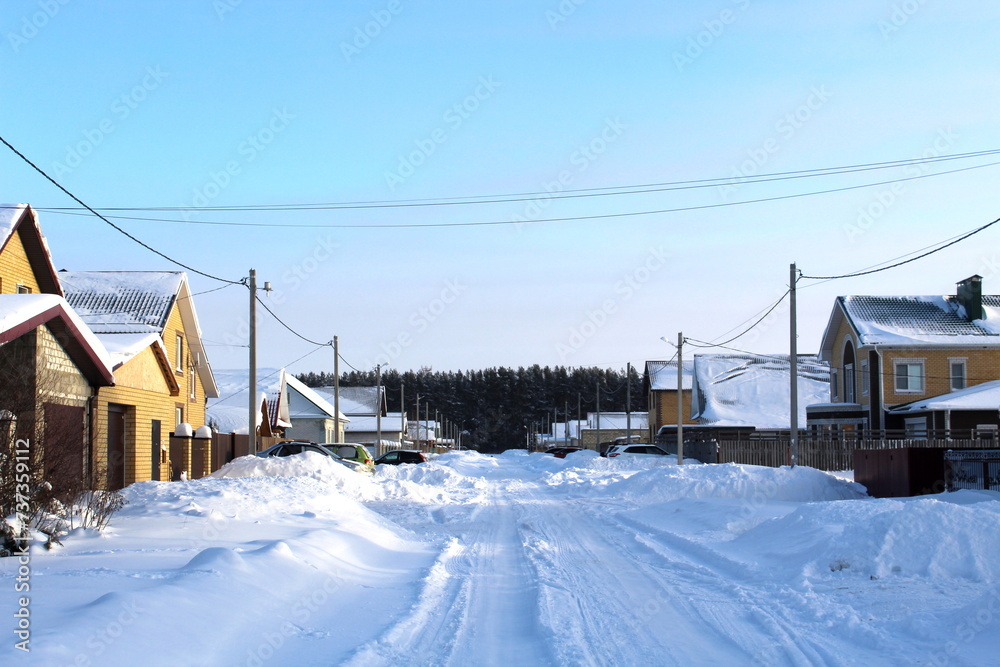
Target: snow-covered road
521 560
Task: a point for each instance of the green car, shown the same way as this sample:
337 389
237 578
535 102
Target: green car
352 452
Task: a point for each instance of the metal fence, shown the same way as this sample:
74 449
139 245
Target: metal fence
972 469
833 454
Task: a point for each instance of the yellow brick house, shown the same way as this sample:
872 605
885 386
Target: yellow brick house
886 352
147 322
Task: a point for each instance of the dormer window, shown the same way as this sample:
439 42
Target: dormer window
23 289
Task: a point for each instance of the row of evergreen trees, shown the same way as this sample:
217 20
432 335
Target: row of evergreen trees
497 407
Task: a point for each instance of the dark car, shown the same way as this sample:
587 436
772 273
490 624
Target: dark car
561 452
397 456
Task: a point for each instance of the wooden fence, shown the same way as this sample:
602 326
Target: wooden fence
823 454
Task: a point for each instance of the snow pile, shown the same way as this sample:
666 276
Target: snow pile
879 538
308 465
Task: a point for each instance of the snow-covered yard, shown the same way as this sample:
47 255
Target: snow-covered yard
518 560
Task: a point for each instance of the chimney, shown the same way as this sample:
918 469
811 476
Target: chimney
970 295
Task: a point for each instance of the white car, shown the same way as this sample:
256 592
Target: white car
635 450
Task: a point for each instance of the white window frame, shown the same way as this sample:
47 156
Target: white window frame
178 415
834 380
958 361
896 363
865 378
179 353
22 289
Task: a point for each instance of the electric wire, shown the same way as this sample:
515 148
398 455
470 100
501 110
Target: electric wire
113 225
569 194
514 221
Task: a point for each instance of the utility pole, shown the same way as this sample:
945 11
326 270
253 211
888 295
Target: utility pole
579 420
566 430
402 411
680 398
427 419
598 416
793 359
378 409
417 416
336 389
628 403
254 406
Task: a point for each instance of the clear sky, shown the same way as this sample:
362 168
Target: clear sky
252 103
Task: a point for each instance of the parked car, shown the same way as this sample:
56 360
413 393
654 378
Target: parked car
298 447
561 452
635 450
397 456
352 452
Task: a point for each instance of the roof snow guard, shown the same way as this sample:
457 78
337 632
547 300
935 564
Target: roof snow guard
122 302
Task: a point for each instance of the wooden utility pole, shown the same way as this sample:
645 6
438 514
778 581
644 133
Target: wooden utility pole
793 359
336 389
680 398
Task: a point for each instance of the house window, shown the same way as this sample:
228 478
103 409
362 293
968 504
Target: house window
834 380
865 379
23 289
916 427
956 371
179 354
909 376
849 396
178 415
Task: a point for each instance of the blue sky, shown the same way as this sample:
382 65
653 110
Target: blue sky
188 104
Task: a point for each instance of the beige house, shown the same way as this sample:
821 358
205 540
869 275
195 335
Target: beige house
147 322
888 351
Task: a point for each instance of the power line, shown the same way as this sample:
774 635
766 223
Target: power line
571 194
742 333
494 223
282 323
907 261
113 225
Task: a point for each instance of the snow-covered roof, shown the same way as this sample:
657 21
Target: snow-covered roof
314 399
662 375
138 302
735 389
21 313
230 411
984 396
122 302
920 320
23 217
353 400
122 347
391 423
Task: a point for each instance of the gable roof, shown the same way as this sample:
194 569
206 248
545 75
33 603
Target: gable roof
21 219
23 313
323 407
743 389
355 400
913 321
138 302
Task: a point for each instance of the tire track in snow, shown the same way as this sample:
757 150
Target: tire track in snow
477 605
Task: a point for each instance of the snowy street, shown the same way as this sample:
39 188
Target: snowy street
520 559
